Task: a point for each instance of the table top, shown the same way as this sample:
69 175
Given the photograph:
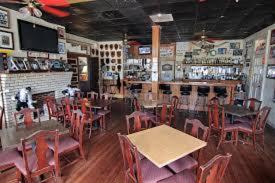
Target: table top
99 103
150 103
163 144
11 137
238 111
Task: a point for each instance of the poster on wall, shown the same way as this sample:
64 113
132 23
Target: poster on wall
167 51
61 33
181 48
61 48
222 51
6 40
272 54
4 18
272 39
235 45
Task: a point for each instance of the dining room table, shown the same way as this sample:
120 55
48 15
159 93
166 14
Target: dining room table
163 144
238 111
151 104
11 137
97 104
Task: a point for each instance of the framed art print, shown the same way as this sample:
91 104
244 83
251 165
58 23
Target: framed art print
61 48
272 39
4 18
61 33
6 40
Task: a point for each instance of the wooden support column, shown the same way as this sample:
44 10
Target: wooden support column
155 58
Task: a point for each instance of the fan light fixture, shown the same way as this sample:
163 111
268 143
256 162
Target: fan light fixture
30 10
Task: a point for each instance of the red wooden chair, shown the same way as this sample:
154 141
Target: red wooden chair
92 95
164 114
174 107
256 126
199 131
55 110
134 122
40 160
211 172
67 111
220 124
90 117
27 114
148 116
137 170
7 158
74 141
252 104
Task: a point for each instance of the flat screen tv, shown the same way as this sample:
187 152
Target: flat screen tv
270 72
144 50
37 38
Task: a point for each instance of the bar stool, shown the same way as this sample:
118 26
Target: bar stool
135 90
202 93
185 91
221 93
166 92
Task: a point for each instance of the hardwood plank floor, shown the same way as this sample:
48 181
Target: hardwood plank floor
104 161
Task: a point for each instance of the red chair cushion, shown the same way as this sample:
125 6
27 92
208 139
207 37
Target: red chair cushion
186 176
184 163
151 173
65 143
8 157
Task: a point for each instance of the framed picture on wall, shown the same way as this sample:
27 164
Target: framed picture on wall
4 18
6 40
272 39
61 33
61 48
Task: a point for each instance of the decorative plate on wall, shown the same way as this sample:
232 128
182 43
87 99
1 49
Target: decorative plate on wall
113 54
116 46
111 46
106 47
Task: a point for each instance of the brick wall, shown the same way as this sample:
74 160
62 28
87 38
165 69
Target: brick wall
39 82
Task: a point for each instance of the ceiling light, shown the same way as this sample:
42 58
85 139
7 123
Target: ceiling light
159 14
237 1
158 18
221 16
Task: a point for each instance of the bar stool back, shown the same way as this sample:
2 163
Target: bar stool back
166 92
221 93
202 93
185 91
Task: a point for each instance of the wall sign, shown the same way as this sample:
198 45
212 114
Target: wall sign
61 33
272 39
61 48
33 54
6 40
167 51
4 18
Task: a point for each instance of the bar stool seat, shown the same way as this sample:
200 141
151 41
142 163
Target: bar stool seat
167 92
202 93
185 93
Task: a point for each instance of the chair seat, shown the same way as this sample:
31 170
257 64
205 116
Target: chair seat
243 119
8 157
167 92
224 95
186 176
185 93
32 162
65 143
184 163
151 173
202 94
244 127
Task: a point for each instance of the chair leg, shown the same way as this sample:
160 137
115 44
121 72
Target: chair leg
221 140
18 176
263 140
254 141
81 151
90 132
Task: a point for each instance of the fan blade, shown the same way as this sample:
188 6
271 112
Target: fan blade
13 1
79 1
55 12
59 3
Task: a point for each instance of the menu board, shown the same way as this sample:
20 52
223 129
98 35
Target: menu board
167 52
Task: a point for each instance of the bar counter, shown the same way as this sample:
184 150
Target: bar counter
175 88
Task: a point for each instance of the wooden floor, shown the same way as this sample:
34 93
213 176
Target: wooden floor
104 161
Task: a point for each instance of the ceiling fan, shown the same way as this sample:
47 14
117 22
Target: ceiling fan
201 36
34 7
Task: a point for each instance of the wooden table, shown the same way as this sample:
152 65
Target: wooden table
149 104
99 103
11 137
238 111
163 144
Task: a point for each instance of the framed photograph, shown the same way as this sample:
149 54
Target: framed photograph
222 51
272 39
6 40
196 51
235 45
272 52
61 48
238 52
4 18
61 33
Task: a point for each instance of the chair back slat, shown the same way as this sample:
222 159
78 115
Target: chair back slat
213 171
253 104
261 119
196 127
136 104
40 152
77 127
130 158
216 116
134 123
92 95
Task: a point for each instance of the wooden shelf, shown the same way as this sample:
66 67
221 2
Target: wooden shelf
237 65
